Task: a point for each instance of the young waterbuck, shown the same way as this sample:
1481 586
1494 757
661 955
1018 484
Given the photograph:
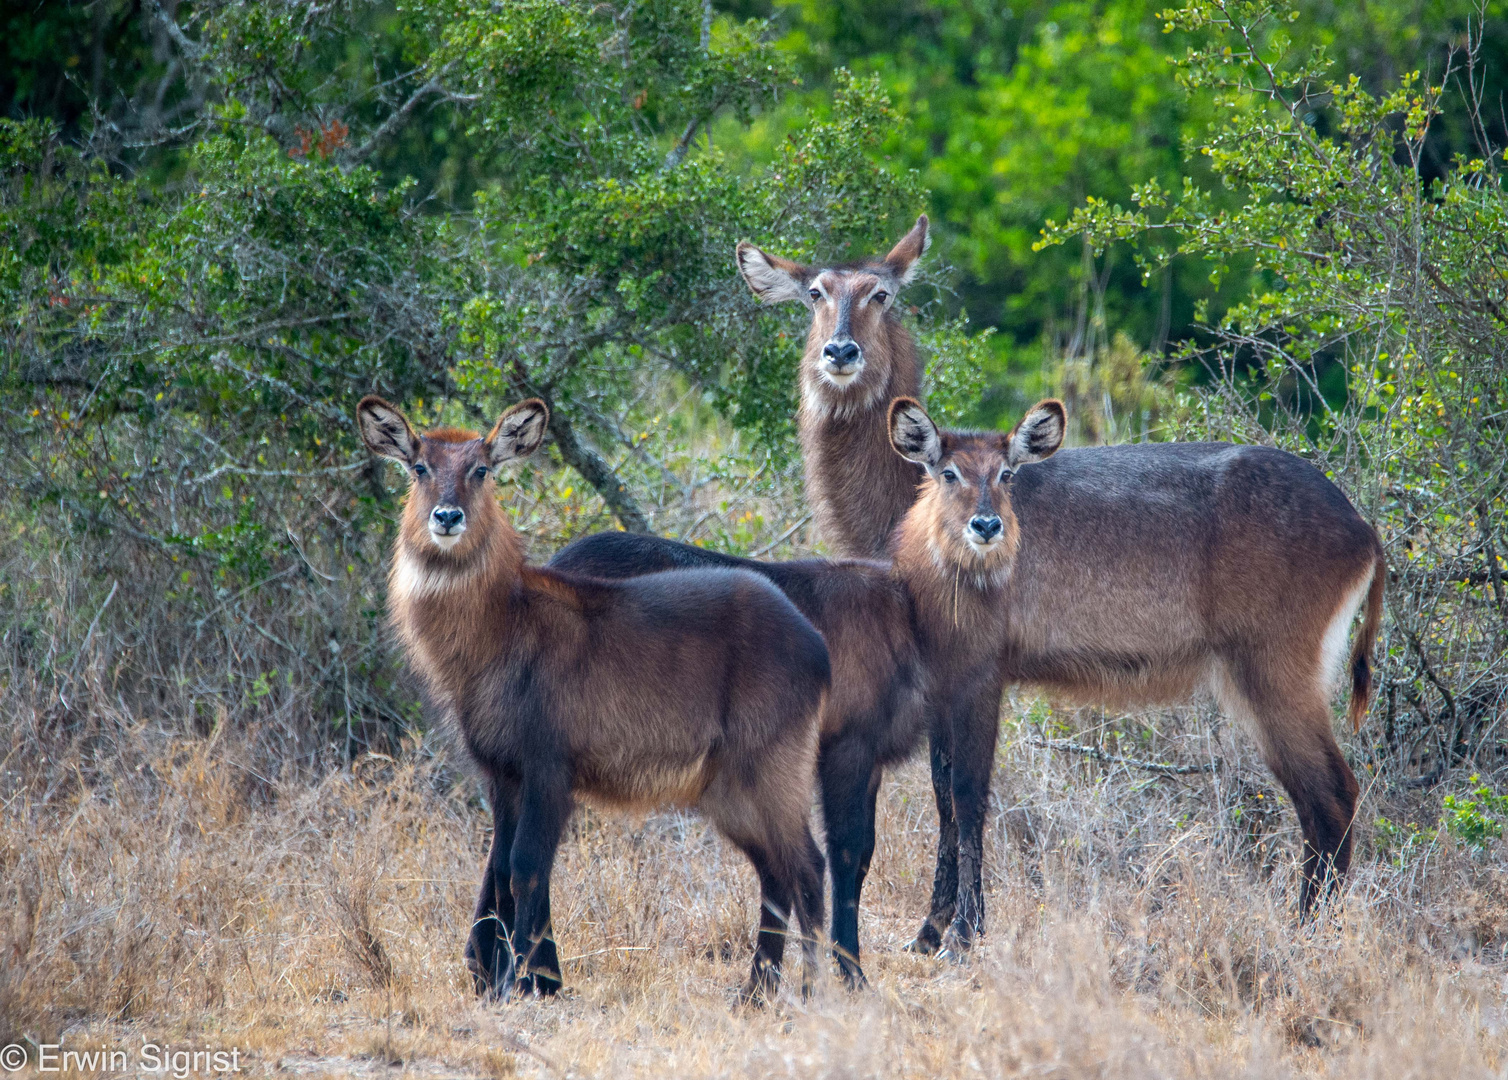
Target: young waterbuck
859 357
1131 575
699 687
875 713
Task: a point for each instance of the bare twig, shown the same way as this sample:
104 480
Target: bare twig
782 538
1116 759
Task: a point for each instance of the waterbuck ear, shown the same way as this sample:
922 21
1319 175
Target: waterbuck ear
772 278
913 434
1038 435
902 257
385 430
519 432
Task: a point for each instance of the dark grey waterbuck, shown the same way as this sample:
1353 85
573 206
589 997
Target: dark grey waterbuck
875 714
1146 573
698 687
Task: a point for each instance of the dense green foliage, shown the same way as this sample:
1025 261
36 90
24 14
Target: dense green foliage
221 223
1018 111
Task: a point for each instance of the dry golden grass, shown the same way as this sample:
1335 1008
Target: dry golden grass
195 892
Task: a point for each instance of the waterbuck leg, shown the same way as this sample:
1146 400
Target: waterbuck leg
546 963
1324 794
789 866
867 854
945 880
808 890
1293 728
976 730
849 779
546 807
776 900
487 945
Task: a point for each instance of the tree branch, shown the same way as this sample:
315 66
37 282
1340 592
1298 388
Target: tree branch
595 470
397 117
683 144
193 50
1116 759
592 466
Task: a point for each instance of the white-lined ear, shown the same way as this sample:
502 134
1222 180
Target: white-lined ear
913 434
772 278
1038 435
518 432
903 257
386 431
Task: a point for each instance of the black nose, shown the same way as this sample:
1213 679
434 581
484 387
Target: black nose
448 517
844 355
986 528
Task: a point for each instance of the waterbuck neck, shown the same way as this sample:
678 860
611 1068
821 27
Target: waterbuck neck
440 603
857 486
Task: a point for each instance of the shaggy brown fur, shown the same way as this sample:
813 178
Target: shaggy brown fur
699 687
1136 574
955 551
874 715
858 358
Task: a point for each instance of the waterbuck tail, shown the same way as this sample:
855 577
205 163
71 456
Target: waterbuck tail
1361 655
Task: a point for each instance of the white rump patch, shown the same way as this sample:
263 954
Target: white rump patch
1333 644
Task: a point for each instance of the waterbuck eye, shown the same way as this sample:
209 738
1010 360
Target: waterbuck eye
881 296
480 472
815 294
420 470
950 476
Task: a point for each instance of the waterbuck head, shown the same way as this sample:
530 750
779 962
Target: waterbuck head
849 351
963 512
450 511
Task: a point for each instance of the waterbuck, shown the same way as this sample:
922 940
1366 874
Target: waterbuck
874 715
698 687
956 550
1132 574
859 357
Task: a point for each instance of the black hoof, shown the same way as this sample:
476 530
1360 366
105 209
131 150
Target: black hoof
852 974
763 981
537 985
927 941
957 943
752 996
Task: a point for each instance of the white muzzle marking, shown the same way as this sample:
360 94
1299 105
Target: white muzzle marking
980 547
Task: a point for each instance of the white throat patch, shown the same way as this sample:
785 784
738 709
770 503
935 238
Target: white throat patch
835 400
413 581
981 579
